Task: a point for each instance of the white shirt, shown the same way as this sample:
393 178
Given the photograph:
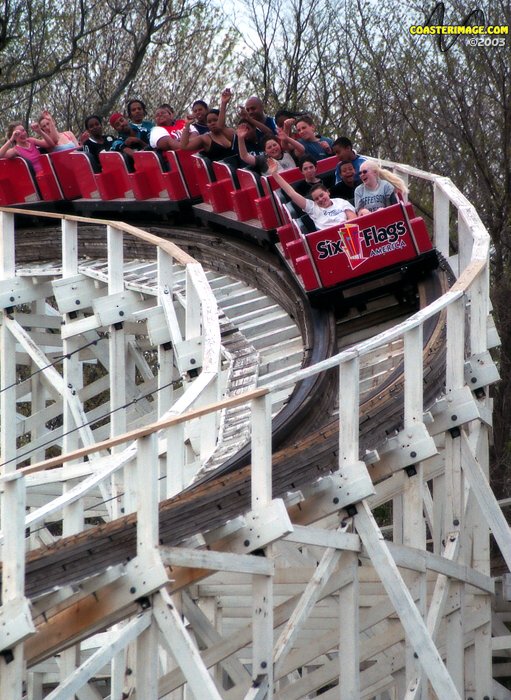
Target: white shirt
159 132
329 216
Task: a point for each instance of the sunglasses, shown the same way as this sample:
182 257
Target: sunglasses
363 172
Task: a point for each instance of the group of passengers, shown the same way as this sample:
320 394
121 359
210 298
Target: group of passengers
270 145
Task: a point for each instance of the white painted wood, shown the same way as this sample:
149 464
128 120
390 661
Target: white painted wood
218 561
182 648
454 637
340 539
349 633
486 500
319 502
326 567
261 452
125 635
429 658
211 637
262 635
146 666
441 220
413 404
69 248
147 495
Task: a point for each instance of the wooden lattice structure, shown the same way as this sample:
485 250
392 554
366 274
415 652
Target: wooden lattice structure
299 596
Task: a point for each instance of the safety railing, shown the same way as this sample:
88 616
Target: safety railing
469 369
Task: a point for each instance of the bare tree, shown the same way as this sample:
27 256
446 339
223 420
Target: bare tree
84 57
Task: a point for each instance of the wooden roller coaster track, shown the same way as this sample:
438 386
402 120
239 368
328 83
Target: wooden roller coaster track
268 577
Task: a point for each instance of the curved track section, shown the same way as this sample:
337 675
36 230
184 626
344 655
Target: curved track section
289 540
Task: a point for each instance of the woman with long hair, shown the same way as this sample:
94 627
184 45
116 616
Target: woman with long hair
19 143
380 188
61 140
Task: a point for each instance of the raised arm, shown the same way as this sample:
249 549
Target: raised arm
8 150
54 134
225 98
243 114
241 133
45 140
290 144
293 195
191 144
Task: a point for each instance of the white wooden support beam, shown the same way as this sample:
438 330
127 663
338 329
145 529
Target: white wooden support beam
13 551
486 500
262 635
7 245
169 312
262 586
118 307
117 641
349 633
453 410
208 423
454 633
15 623
353 473
22 290
349 410
411 445
441 220
338 539
73 516
413 401
182 648
187 349
216 561
69 247
455 351
165 267
175 439
479 310
193 313
415 627
465 239
210 637
259 690
413 525
501 643
115 253
147 494
13 581
261 482
76 292
146 661
481 371
326 567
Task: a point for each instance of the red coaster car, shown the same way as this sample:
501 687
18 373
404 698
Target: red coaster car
391 243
